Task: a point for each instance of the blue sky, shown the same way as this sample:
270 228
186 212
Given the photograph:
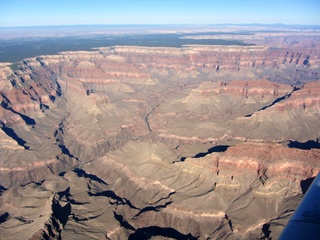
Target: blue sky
72 12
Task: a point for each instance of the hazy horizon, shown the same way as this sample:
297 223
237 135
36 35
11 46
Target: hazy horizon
169 25
19 13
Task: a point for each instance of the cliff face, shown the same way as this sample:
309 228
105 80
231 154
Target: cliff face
239 186
251 62
235 193
157 141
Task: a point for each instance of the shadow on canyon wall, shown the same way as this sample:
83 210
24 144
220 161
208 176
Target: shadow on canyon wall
305 184
220 148
148 232
276 101
304 145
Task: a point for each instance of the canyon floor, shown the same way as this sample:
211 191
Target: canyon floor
159 142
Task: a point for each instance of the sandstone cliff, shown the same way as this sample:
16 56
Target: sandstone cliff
134 142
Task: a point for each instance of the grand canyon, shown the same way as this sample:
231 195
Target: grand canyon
154 142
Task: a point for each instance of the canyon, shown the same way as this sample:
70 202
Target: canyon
139 142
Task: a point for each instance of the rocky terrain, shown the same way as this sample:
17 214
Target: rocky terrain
125 142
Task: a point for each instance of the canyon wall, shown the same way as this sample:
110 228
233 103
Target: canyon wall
132 142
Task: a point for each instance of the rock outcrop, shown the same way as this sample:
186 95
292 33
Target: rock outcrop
134 142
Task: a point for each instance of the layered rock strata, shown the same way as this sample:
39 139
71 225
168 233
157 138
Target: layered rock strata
135 142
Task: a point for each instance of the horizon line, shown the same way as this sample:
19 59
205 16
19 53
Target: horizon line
169 24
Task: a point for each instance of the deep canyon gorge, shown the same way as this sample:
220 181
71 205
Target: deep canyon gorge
138 142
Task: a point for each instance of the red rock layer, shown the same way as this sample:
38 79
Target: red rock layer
122 113
271 160
307 97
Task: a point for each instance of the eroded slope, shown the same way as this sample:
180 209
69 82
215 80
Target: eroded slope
135 142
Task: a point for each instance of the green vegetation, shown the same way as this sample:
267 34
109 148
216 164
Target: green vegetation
15 50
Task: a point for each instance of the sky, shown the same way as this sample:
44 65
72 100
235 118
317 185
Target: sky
76 12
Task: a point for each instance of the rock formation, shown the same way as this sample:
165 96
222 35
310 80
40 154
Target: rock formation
198 142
